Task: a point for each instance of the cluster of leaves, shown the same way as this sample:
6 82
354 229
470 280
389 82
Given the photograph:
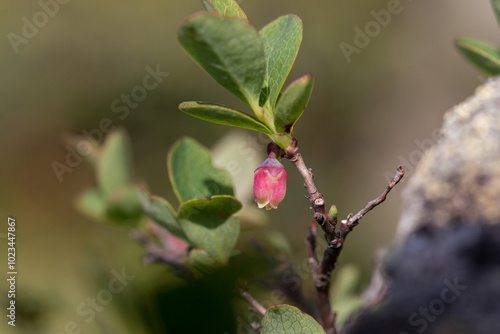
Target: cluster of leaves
482 54
205 218
251 64
114 198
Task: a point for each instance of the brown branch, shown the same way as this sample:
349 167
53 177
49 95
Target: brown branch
322 284
353 221
321 281
311 248
315 197
334 248
335 240
255 306
323 301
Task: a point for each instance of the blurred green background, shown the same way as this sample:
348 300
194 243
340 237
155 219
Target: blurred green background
363 119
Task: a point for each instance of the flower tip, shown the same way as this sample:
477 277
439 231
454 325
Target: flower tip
262 204
271 206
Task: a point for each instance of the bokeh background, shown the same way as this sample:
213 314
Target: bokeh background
364 118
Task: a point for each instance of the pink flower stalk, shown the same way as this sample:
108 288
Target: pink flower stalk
269 184
175 247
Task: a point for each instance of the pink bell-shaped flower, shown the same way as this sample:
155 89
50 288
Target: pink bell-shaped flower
269 184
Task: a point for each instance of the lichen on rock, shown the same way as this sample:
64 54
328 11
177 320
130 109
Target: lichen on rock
459 178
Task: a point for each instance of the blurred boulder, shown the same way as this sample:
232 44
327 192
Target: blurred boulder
443 274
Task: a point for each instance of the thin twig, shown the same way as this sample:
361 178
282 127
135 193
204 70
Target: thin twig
322 284
311 248
335 239
279 267
254 304
315 197
321 281
353 221
324 307
334 248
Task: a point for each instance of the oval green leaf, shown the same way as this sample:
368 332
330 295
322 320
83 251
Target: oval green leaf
281 38
496 8
225 7
292 103
286 319
482 54
114 166
210 225
122 206
201 261
230 50
283 140
223 115
192 173
92 203
160 210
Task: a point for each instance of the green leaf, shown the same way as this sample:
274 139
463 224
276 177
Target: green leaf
496 8
114 167
284 140
160 210
192 174
225 7
286 319
292 103
92 203
482 54
209 224
122 206
201 261
223 115
281 39
230 50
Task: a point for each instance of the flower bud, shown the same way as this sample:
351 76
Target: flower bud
269 185
333 213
